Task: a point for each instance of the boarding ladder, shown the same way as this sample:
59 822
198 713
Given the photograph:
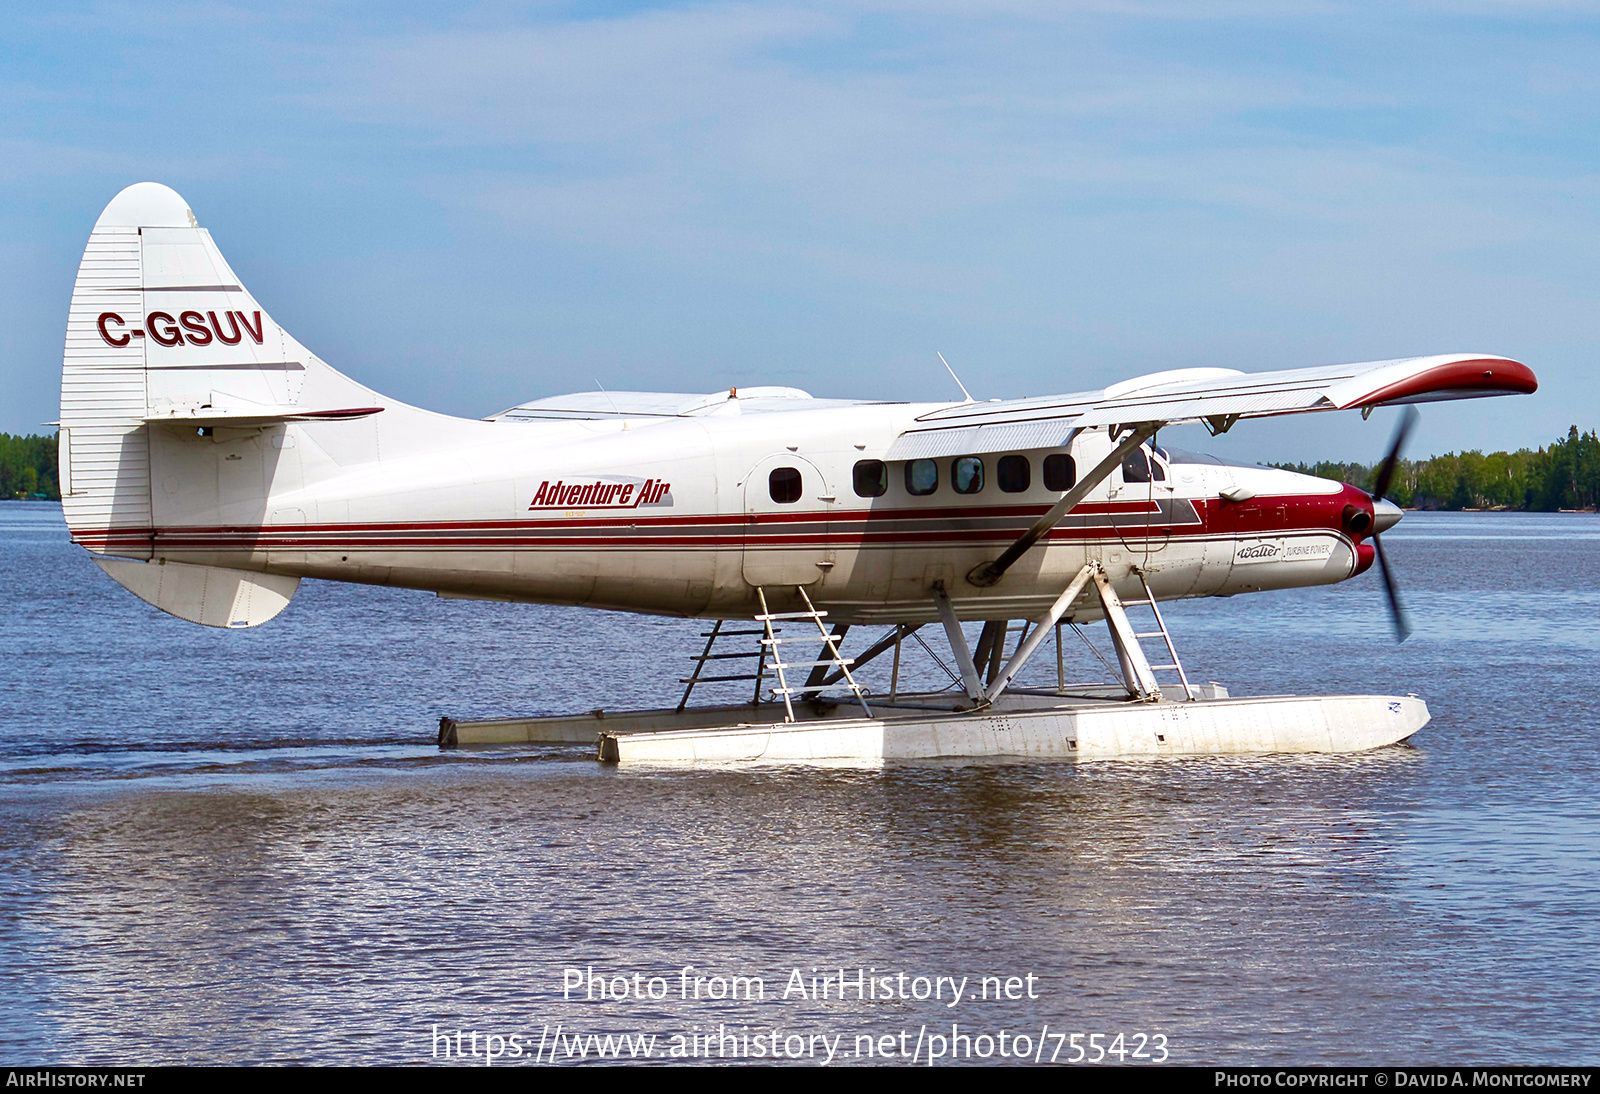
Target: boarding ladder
828 657
698 676
1175 665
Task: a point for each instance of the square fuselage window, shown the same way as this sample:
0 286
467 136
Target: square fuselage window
1060 472
1013 474
922 477
784 485
871 478
966 474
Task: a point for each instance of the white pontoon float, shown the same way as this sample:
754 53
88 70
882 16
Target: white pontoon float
989 720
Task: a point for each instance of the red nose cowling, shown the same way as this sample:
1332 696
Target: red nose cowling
1356 521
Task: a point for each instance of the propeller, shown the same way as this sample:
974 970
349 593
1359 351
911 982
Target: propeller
1380 487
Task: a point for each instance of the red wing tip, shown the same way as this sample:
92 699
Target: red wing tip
1481 375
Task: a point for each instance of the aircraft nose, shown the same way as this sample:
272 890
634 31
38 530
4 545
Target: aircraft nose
1385 515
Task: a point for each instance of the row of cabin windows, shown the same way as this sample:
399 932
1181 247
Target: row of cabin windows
1013 474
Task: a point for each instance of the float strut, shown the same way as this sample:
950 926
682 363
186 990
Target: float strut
1041 630
958 643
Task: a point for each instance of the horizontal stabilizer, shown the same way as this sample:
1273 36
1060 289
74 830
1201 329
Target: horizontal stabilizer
210 595
256 415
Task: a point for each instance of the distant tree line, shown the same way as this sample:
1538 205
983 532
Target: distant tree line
1566 475
28 467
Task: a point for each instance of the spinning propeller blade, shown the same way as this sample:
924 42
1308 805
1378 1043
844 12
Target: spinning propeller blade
1402 626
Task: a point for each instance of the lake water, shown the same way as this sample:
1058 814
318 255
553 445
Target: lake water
230 847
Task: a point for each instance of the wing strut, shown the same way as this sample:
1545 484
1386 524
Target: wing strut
988 573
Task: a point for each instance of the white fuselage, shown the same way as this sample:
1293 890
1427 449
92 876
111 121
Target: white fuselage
681 514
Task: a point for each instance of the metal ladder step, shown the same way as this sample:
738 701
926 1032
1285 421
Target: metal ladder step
828 656
1149 601
705 656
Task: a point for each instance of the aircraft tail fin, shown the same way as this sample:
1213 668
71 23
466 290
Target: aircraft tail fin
162 331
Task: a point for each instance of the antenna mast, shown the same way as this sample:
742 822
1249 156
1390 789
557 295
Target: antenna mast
956 378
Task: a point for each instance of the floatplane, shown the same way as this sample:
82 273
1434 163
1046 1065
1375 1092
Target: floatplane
209 462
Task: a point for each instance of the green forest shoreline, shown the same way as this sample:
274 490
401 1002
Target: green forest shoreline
1563 475
28 468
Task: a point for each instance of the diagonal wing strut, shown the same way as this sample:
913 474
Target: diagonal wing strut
988 573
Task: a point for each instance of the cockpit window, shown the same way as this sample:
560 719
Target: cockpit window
1139 466
1179 455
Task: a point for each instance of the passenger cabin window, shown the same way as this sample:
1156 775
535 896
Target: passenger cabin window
922 477
784 485
966 474
871 478
1060 472
1013 474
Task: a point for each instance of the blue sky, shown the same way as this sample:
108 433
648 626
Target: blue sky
502 201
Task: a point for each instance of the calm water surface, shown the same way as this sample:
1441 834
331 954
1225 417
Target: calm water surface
243 846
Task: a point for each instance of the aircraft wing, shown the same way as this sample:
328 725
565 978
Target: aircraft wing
1218 397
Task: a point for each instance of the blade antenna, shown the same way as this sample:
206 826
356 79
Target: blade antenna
956 378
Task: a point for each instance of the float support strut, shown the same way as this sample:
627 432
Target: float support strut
1140 678
958 643
1041 630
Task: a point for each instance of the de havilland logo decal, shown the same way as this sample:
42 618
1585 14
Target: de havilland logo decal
602 492
1278 550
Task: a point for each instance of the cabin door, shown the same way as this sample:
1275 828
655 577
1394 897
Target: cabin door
1141 495
786 504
